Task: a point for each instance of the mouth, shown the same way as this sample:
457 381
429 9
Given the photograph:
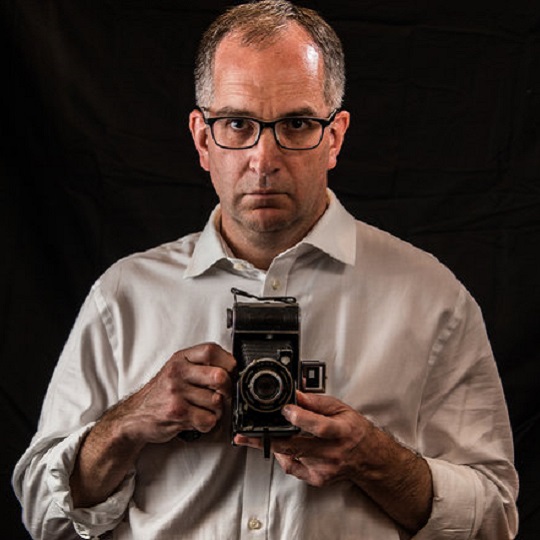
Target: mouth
265 200
265 193
265 197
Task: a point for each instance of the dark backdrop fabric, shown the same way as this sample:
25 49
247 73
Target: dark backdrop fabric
96 162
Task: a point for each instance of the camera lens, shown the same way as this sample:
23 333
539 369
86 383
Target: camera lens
266 386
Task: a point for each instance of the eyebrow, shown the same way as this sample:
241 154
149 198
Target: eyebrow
231 111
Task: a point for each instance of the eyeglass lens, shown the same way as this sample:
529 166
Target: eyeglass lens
294 133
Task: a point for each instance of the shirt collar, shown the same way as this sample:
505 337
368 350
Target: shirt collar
209 249
334 234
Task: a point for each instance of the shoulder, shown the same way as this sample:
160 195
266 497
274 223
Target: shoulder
160 263
391 261
381 247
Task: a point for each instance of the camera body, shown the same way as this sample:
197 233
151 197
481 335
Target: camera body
266 346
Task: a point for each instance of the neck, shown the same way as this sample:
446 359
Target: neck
261 247
259 253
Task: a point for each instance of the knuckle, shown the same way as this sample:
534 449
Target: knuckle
209 349
324 430
220 378
288 468
176 410
178 371
289 451
167 383
168 368
205 427
293 415
318 481
217 400
176 367
321 477
205 422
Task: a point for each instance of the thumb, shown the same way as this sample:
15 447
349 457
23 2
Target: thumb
316 414
320 403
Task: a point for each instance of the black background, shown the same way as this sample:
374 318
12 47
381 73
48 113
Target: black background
96 162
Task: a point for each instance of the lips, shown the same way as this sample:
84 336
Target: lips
264 198
265 193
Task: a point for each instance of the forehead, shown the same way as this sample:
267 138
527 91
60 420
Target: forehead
270 79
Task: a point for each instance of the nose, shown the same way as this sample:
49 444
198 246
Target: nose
265 156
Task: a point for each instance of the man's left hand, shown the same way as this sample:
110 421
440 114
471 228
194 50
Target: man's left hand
327 449
339 443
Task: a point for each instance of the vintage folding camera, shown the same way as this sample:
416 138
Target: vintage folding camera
266 346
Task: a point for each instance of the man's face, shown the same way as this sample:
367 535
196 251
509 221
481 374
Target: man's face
269 195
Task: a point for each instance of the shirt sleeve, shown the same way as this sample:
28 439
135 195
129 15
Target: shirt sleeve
88 522
83 385
465 435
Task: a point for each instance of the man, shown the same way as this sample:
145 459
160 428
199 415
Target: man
412 439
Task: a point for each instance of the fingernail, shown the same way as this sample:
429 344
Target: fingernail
286 411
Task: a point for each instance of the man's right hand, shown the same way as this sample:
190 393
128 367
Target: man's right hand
188 393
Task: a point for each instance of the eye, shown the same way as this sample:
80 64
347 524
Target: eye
239 124
299 124
296 124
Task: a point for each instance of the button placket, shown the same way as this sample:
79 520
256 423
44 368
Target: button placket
256 499
277 277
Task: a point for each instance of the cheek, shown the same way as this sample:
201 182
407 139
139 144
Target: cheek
219 183
315 170
224 172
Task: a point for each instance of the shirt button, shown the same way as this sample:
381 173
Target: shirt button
254 524
276 284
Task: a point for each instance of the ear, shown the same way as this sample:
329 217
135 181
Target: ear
337 129
200 137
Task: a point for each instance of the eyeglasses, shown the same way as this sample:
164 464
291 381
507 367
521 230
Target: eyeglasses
291 133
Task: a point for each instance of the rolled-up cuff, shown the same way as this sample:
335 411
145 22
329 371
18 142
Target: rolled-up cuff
456 504
88 522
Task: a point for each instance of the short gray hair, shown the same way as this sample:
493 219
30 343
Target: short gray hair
260 22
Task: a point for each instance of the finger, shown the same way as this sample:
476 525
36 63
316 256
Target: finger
210 354
251 442
200 408
198 420
291 447
303 447
318 425
216 379
203 420
204 398
319 403
293 466
313 423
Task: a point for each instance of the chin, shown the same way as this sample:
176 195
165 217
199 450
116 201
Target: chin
268 226
269 219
